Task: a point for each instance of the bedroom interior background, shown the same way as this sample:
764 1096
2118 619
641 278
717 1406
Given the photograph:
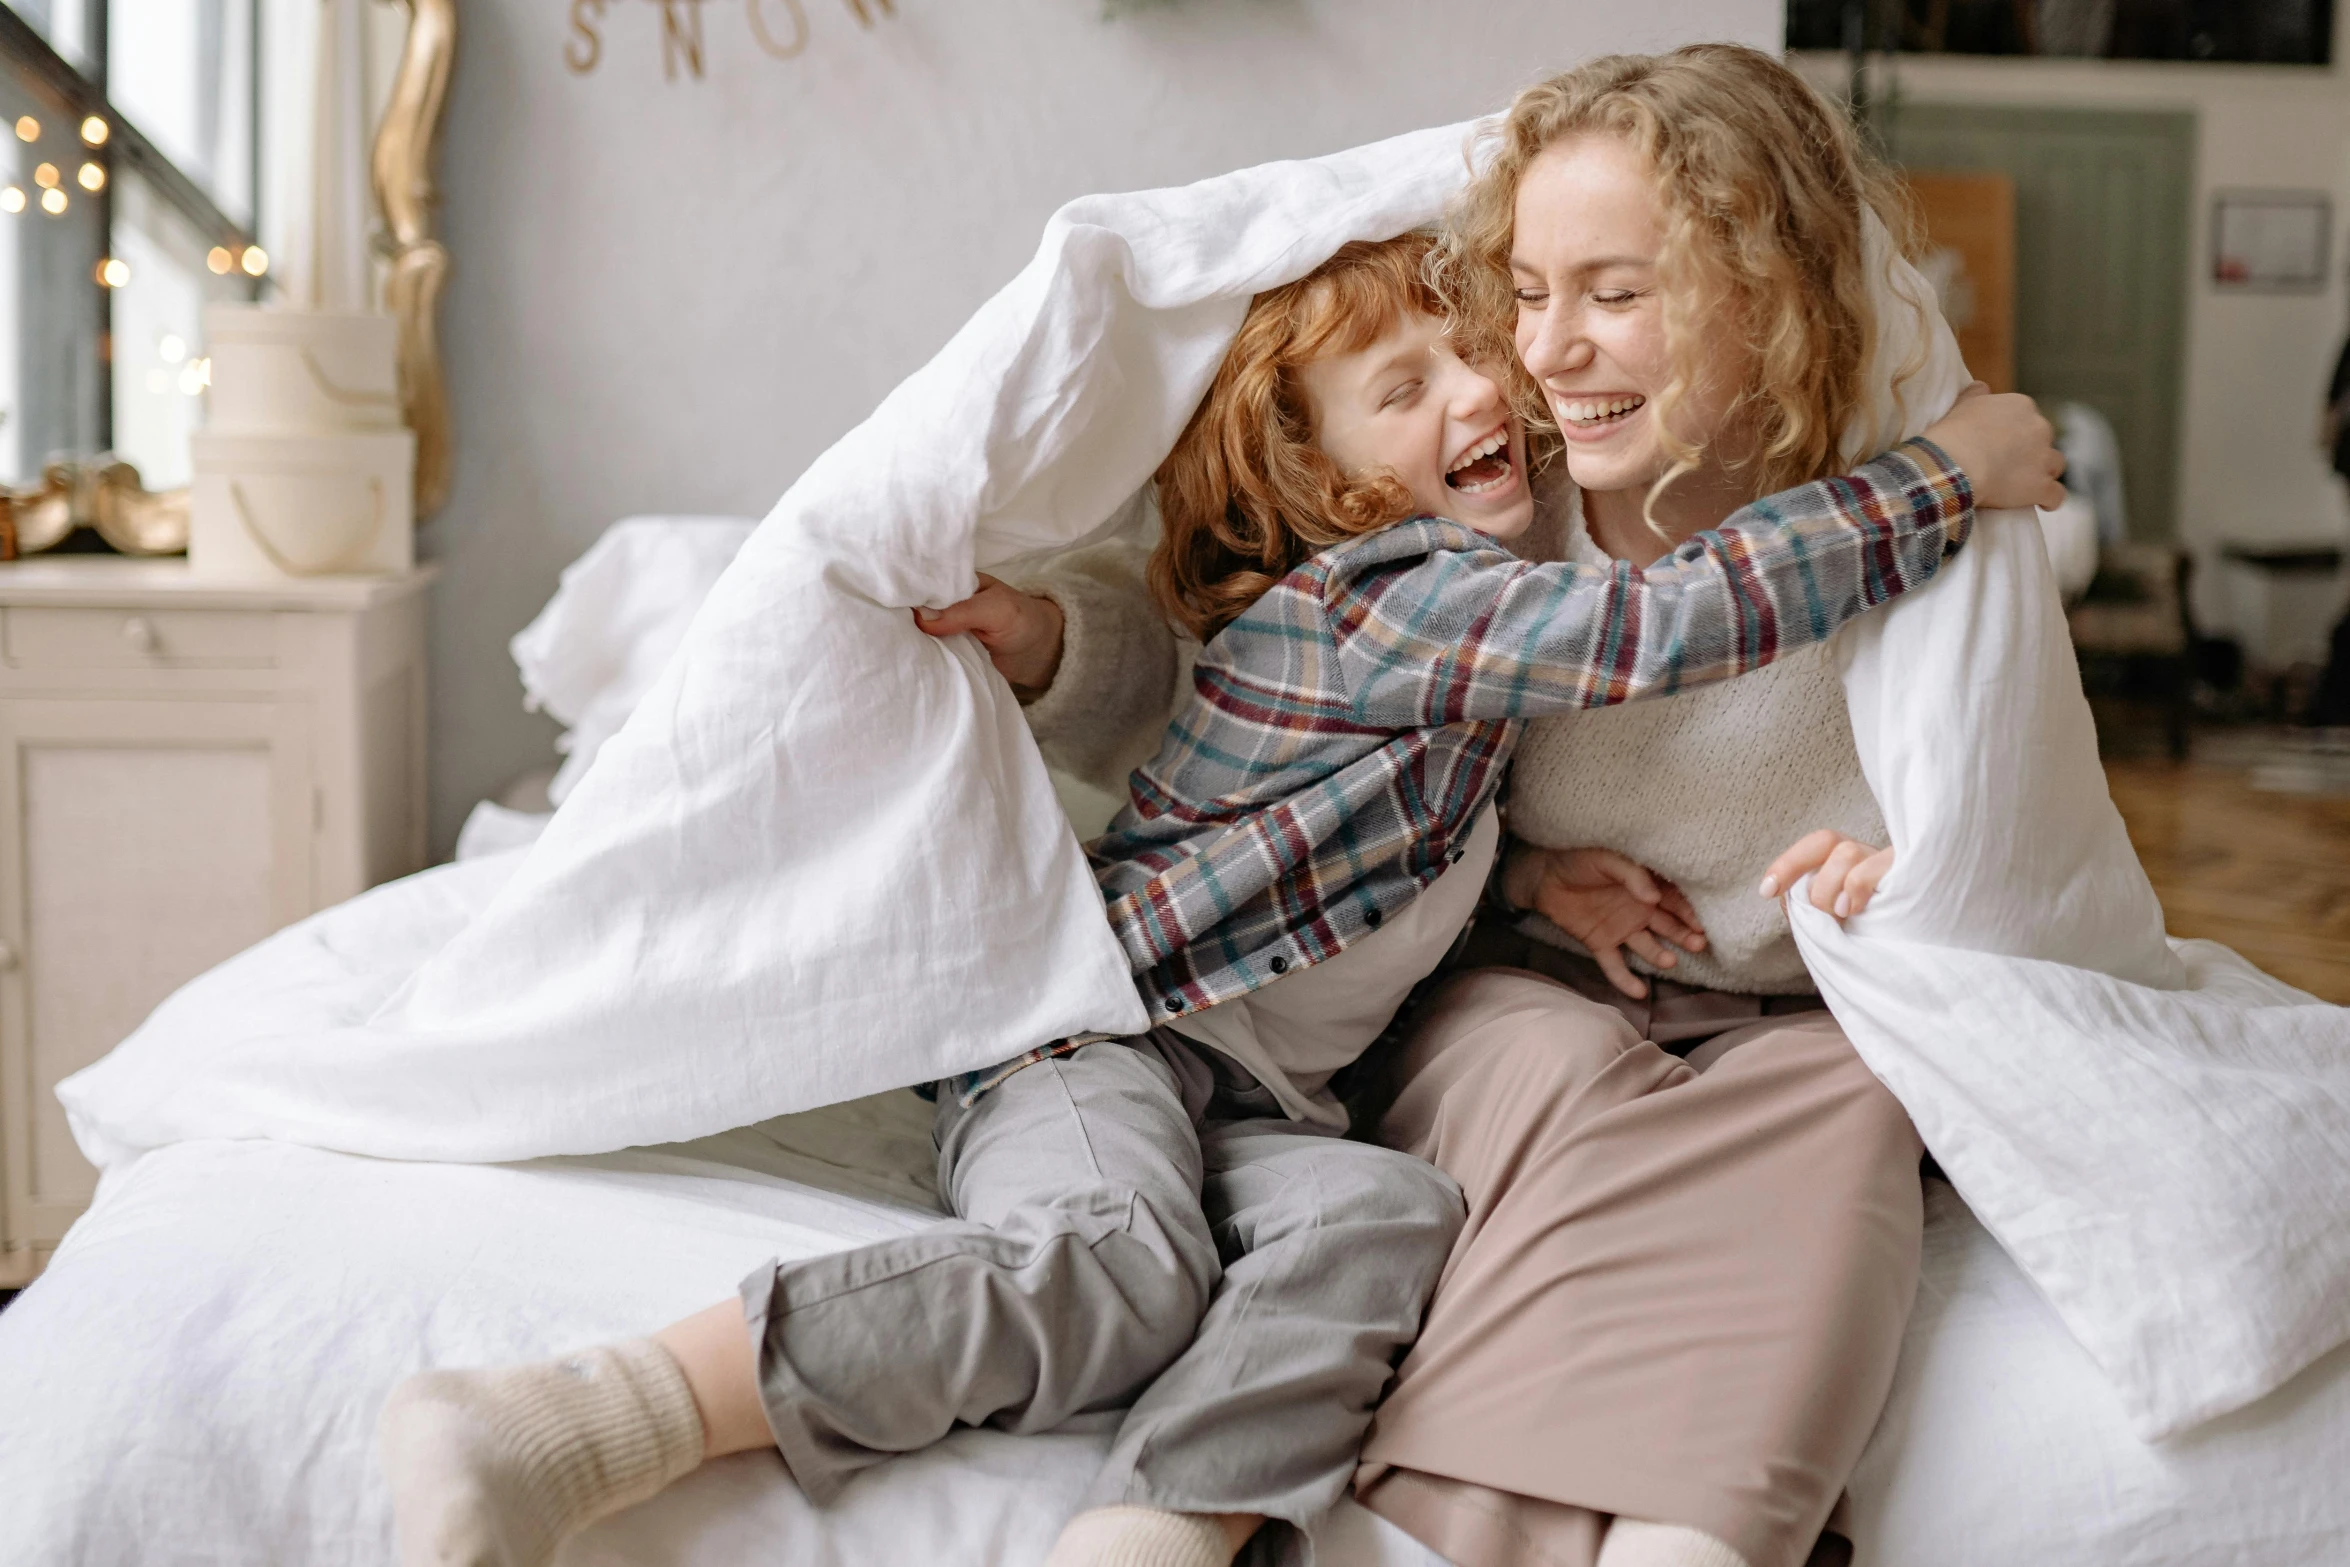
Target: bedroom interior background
190 760
2253 364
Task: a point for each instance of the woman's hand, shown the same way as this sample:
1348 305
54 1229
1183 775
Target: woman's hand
1844 871
2003 445
1021 632
1607 903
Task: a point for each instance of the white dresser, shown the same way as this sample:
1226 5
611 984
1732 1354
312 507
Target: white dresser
185 766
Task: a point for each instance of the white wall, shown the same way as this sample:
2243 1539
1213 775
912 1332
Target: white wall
2256 364
670 296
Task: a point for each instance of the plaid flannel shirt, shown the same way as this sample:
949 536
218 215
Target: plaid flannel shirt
1344 732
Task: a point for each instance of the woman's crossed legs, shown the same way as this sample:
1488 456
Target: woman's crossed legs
1678 1298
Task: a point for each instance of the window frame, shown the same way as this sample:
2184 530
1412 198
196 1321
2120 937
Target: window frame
77 94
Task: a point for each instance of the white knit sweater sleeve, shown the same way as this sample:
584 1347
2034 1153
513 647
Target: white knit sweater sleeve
1703 788
1122 666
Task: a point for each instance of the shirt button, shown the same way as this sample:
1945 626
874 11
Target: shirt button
1174 1003
1373 918
1278 964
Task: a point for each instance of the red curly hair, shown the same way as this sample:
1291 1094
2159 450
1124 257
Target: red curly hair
1246 496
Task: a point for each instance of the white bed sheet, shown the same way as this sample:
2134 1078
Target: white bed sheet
196 1378
2002 1444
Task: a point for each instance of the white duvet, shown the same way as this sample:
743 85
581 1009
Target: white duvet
196 1377
823 858
2156 1131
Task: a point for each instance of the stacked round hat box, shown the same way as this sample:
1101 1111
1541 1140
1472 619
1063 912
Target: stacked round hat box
303 468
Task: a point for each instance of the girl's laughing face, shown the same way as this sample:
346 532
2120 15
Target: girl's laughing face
1410 405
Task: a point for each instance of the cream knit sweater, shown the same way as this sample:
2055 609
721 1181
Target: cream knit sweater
1706 787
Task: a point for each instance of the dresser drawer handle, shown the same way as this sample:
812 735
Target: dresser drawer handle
139 632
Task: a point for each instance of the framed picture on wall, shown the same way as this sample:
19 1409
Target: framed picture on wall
2270 240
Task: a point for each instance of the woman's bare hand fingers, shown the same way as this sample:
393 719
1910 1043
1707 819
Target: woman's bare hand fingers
988 612
2001 443
1806 854
1861 885
2052 494
1828 891
1021 631
1611 963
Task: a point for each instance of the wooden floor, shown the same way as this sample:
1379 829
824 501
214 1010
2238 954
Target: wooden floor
2266 873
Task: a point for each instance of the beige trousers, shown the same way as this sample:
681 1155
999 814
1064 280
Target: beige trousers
1680 1292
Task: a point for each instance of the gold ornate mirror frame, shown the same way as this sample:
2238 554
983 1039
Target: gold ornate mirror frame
406 141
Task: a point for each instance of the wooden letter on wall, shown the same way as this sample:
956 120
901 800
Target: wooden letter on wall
586 45
799 29
681 31
681 37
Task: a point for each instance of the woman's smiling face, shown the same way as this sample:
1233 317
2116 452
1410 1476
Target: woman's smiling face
1409 405
1591 327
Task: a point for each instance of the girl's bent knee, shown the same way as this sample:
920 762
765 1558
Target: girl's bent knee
1399 1194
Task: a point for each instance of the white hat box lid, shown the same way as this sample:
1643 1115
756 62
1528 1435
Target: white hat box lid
279 506
301 371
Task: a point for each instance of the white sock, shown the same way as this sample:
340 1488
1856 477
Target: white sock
1141 1537
495 1468
1634 1542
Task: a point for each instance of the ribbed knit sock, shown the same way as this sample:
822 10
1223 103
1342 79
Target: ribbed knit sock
495 1468
1632 1542
1141 1537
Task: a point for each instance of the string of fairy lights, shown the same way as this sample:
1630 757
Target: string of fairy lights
50 195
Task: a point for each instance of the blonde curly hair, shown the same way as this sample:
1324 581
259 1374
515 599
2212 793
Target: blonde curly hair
1246 496
1763 186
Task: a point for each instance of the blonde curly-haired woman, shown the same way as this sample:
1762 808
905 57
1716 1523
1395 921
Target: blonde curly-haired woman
1668 1329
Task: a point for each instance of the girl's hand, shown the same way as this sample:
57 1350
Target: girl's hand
2004 447
1607 903
1844 871
1021 632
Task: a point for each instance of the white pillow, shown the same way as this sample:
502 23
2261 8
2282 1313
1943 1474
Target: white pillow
615 621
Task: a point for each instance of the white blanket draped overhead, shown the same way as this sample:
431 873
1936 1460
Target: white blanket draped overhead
823 857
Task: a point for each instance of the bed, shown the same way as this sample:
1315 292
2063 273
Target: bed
196 1376
195 1379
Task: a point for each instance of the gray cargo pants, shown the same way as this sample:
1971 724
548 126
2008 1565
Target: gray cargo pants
1128 1212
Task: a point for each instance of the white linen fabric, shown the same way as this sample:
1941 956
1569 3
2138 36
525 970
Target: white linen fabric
2156 1131
618 616
822 857
196 1377
2003 1443
198 1372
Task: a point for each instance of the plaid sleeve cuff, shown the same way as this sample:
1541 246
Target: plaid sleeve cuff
1935 481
